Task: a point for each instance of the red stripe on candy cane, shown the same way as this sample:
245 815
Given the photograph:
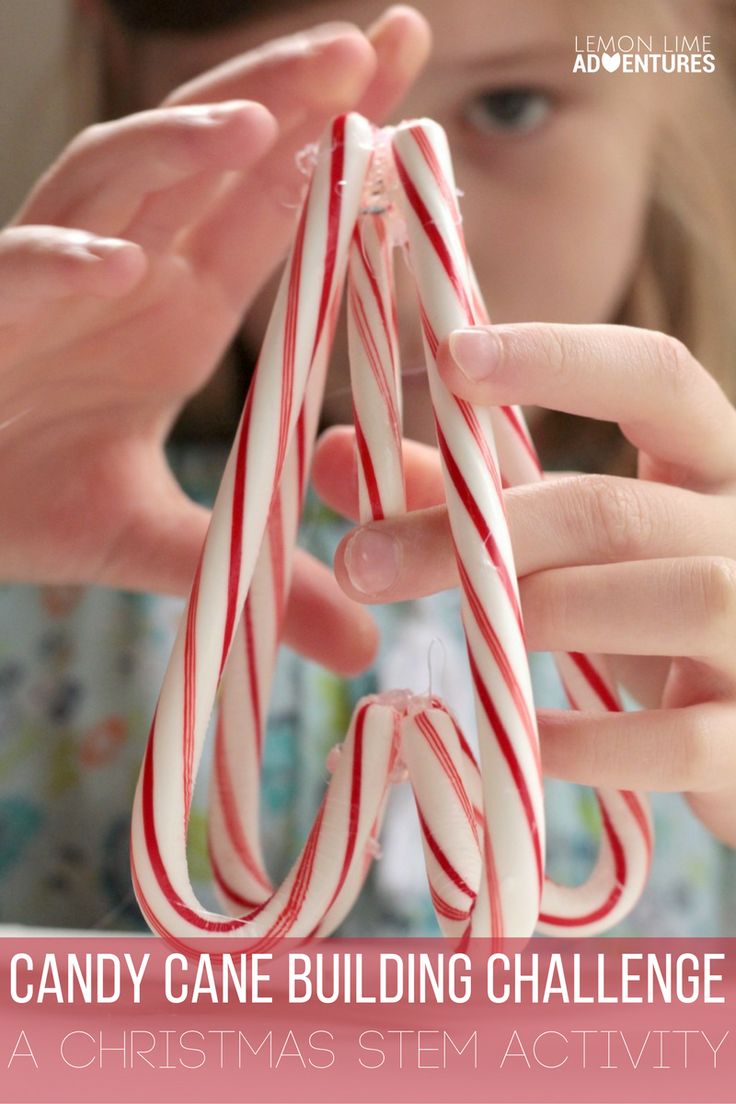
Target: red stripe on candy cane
236 530
501 658
606 908
337 169
428 332
375 371
389 326
505 745
514 421
595 681
633 801
190 659
442 907
228 804
250 653
354 799
369 344
277 556
479 521
369 472
430 229
245 904
156 860
443 756
442 860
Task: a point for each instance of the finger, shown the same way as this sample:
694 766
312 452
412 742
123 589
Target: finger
665 402
243 236
39 264
323 624
588 519
597 519
678 750
675 607
100 180
261 207
292 76
315 70
335 474
297 78
162 217
393 561
402 40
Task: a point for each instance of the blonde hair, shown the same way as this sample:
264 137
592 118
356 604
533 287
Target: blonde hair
685 283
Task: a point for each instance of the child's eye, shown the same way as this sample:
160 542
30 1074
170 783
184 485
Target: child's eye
514 110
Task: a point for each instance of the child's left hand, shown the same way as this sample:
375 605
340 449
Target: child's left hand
126 275
638 568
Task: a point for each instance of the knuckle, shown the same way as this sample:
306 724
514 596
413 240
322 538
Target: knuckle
618 516
81 151
556 355
716 582
88 139
698 753
674 361
544 605
184 134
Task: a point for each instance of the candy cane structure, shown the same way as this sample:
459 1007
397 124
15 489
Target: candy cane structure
482 823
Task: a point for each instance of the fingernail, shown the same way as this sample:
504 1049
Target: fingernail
101 248
477 353
372 560
219 112
402 54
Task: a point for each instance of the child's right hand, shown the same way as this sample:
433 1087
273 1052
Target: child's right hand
122 281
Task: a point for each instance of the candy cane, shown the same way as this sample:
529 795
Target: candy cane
624 857
304 306
448 791
513 855
375 370
439 761
483 831
234 836
233 824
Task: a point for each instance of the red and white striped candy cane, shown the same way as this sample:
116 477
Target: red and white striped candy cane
624 856
513 855
482 881
234 836
433 748
233 823
234 841
449 796
304 306
375 369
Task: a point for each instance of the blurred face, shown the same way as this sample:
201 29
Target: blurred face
554 167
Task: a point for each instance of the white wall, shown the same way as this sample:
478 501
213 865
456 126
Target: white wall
47 90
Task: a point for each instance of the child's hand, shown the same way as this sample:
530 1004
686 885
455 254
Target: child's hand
125 275
639 569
